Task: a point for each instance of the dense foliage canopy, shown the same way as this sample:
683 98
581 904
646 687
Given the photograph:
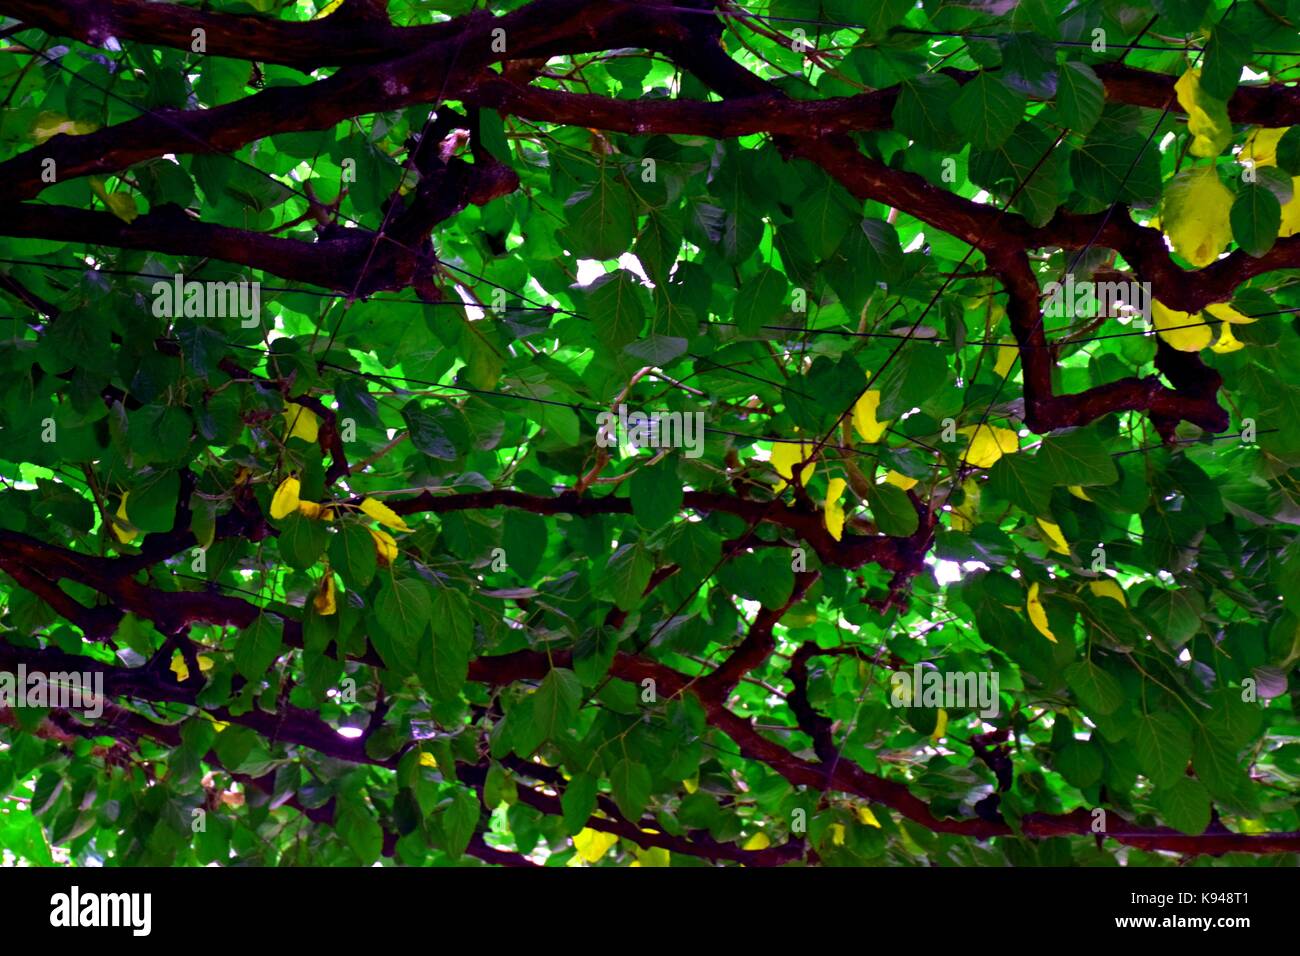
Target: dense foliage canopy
973 330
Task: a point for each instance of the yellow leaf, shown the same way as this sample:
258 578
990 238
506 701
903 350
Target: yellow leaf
1195 213
653 856
428 760
310 509
326 10
385 546
1291 212
1227 341
1055 540
786 454
593 844
1260 147
988 443
867 818
1038 616
900 480
51 124
1007 352
285 500
692 784
963 516
940 726
1228 314
300 422
383 514
1108 588
1078 492
1179 329
125 532
324 601
864 416
121 205
758 841
838 833
182 671
834 514
1207 117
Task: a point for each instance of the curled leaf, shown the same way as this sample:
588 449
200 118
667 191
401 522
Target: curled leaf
1227 341
900 480
1109 589
1037 615
285 500
834 513
1207 117
384 514
325 600
864 416
1055 540
1007 352
385 546
124 530
940 726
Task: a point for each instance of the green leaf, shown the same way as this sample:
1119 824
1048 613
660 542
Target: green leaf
1097 690
1185 806
1026 166
352 554
893 510
602 219
924 109
626 575
578 802
761 301
555 703
444 665
824 217
523 538
1256 218
630 782
987 110
614 302
1077 457
438 432
1164 748
1175 614
302 541
1023 480
402 612
656 494
258 646
458 819
1079 96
